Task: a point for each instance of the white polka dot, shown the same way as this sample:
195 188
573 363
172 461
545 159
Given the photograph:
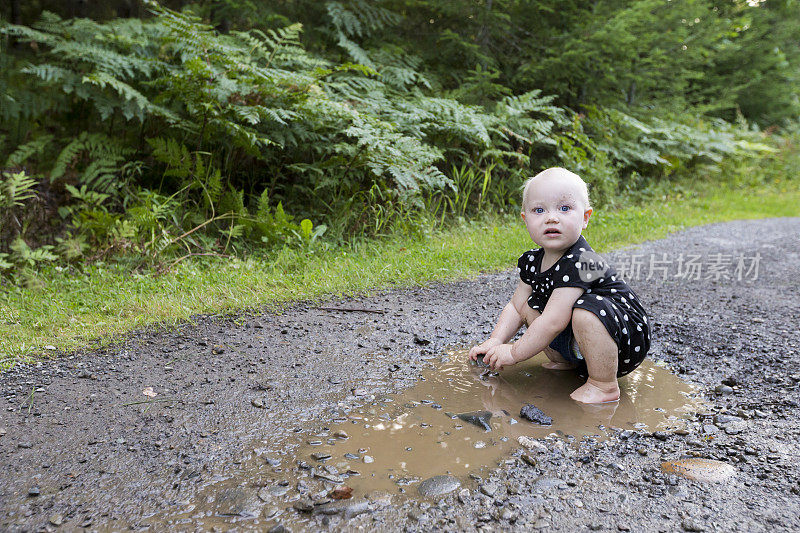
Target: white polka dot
613 290
602 312
613 278
569 256
636 349
565 278
518 270
623 299
614 306
557 267
588 276
626 361
582 249
530 259
616 319
600 280
625 317
578 265
638 327
645 319
629 342
624 331
599 297
579 302
588 290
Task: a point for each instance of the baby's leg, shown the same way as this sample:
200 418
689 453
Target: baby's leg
555 362
600 353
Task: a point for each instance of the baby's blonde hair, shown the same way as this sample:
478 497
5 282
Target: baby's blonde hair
563 174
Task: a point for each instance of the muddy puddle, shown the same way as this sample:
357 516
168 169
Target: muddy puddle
384 449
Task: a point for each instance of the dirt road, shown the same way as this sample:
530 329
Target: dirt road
122 438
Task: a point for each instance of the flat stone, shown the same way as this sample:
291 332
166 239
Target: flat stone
544 483
692 525
477 418
699 469
347 508
333 478
231 502
489 489
438 485
320 456
723 389
56 519
532 444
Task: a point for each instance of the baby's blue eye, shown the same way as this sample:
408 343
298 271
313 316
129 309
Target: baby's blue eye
565 208
538 210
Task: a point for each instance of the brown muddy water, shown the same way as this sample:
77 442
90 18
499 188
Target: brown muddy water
392 443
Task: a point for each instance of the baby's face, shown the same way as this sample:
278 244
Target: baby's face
554 213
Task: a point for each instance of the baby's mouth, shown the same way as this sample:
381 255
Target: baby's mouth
552 232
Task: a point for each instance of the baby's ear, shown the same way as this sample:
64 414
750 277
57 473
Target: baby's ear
586 215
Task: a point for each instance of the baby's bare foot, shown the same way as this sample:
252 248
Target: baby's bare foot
553 365
596 392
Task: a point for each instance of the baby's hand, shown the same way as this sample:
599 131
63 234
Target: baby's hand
499 356
483 348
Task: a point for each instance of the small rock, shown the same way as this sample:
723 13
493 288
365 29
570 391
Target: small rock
661 435
544 483
368 459
347 508
257 402
320 456
277 528
623 527
528 459
304 505
532 444
231 502
56 519
699 469
217 350
723 389
479 445
463 495
438 485
489 489
333 478
691 524
534 414
34 491
477 418
341 434
2 432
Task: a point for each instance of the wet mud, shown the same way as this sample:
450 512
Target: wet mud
310 418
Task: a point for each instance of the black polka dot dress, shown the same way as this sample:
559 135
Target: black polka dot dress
607 296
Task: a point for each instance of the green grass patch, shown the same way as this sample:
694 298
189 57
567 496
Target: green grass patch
70 310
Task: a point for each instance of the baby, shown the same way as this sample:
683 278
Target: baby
577 309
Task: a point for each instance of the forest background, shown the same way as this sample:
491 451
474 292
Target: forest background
142 138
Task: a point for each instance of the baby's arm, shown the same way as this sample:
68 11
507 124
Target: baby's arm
553 320
509 322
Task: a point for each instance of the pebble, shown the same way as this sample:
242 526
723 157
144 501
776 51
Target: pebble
532 444
438 485
340 434
348 508
723 389
489 489
479 444
257 402
217 350
368 459
699 469
692 525
56 519
2 432
320 456
34 491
